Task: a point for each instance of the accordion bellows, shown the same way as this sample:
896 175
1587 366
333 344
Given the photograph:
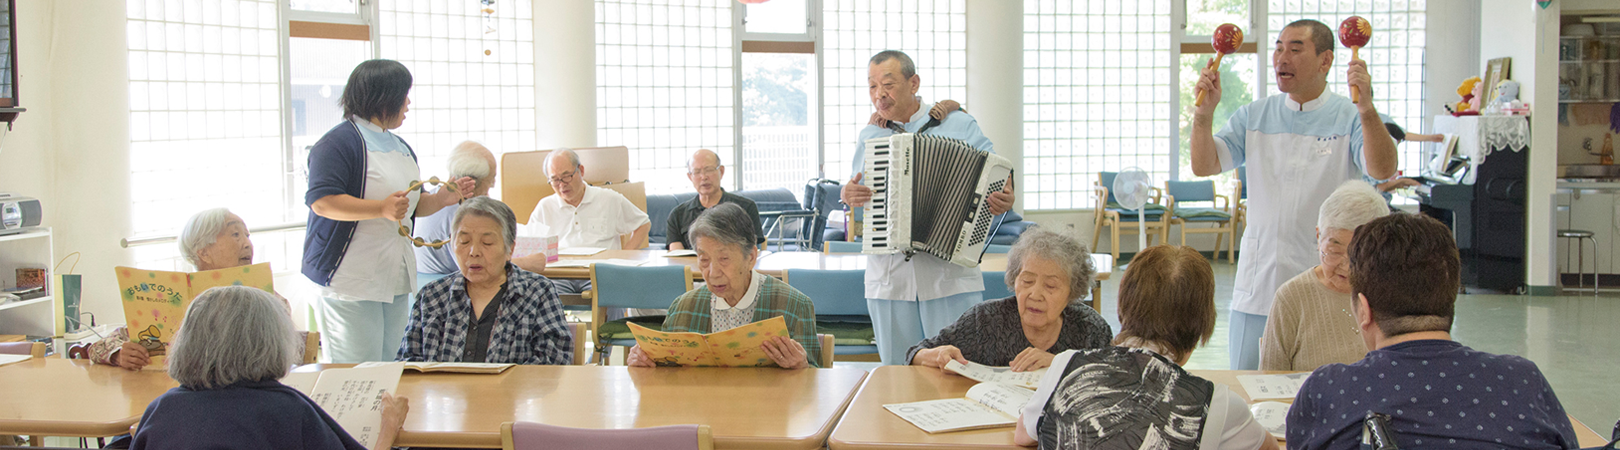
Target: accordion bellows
928 195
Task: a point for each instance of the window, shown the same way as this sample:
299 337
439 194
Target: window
779 120
932 32
1394 57
473 75
665 80
1096 95
204 98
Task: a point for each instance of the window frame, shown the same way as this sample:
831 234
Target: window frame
745 42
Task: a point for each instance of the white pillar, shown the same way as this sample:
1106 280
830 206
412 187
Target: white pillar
565 73
995 63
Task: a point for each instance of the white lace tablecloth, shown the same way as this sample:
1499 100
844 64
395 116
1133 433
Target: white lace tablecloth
1478 136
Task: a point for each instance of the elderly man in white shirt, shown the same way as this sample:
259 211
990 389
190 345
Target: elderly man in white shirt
913 298
581 215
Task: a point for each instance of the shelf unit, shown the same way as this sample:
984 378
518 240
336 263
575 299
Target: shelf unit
34 317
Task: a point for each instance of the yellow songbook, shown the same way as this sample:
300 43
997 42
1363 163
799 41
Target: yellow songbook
737 347
155 301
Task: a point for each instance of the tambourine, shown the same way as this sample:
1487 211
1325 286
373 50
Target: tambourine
406 232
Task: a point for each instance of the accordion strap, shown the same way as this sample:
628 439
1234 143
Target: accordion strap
932 122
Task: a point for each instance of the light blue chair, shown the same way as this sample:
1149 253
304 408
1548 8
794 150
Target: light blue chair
840 298
995 286
615 286
837 247
1219 213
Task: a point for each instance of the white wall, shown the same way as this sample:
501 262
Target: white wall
1529 34
71 148
1451 56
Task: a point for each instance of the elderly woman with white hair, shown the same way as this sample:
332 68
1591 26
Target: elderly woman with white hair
1312 322
211 240
1048 273
734 294
492 310
232 347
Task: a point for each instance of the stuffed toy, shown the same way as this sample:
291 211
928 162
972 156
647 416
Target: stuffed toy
1470 95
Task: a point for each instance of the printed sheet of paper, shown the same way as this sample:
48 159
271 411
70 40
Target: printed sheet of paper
1273 387
13 359
737 347
579 251
988 374
353 397
302 381
1272 416
681 252
570 263
988 405
619 262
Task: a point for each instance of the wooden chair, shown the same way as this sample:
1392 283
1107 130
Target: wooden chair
535 436
35 349
615 286
579 332
312 347
1220 213
840 247
1109 213
826 341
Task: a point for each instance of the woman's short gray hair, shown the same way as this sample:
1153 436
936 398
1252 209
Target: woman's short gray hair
1353 204
233 334
1058 248
492 209
727 223
201 230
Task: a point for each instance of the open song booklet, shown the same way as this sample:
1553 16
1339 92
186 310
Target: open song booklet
446 367
737 347
155 301
990 374
353 397
1273 386
986 405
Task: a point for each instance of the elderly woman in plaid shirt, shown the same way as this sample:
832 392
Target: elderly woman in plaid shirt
736 295
491 311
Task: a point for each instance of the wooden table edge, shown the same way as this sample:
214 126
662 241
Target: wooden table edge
73 429
493 440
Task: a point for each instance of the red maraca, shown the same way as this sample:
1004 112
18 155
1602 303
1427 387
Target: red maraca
1227 38
1354 32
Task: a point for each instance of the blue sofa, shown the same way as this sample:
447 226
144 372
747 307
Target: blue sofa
659 206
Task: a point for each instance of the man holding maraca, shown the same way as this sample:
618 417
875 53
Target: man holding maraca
1297 148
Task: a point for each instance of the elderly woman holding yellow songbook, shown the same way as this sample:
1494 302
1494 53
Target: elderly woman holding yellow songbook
1048 272
211 240
735 295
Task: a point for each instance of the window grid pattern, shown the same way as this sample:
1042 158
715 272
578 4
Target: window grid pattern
1096 96
472 76
664 77
932 32
204 98
1394 56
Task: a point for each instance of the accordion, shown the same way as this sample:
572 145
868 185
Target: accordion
928 195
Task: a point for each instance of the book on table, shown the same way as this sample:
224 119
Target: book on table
447 367
1273 416
992 374
737 347
155 301
986 405
353 397
13 359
